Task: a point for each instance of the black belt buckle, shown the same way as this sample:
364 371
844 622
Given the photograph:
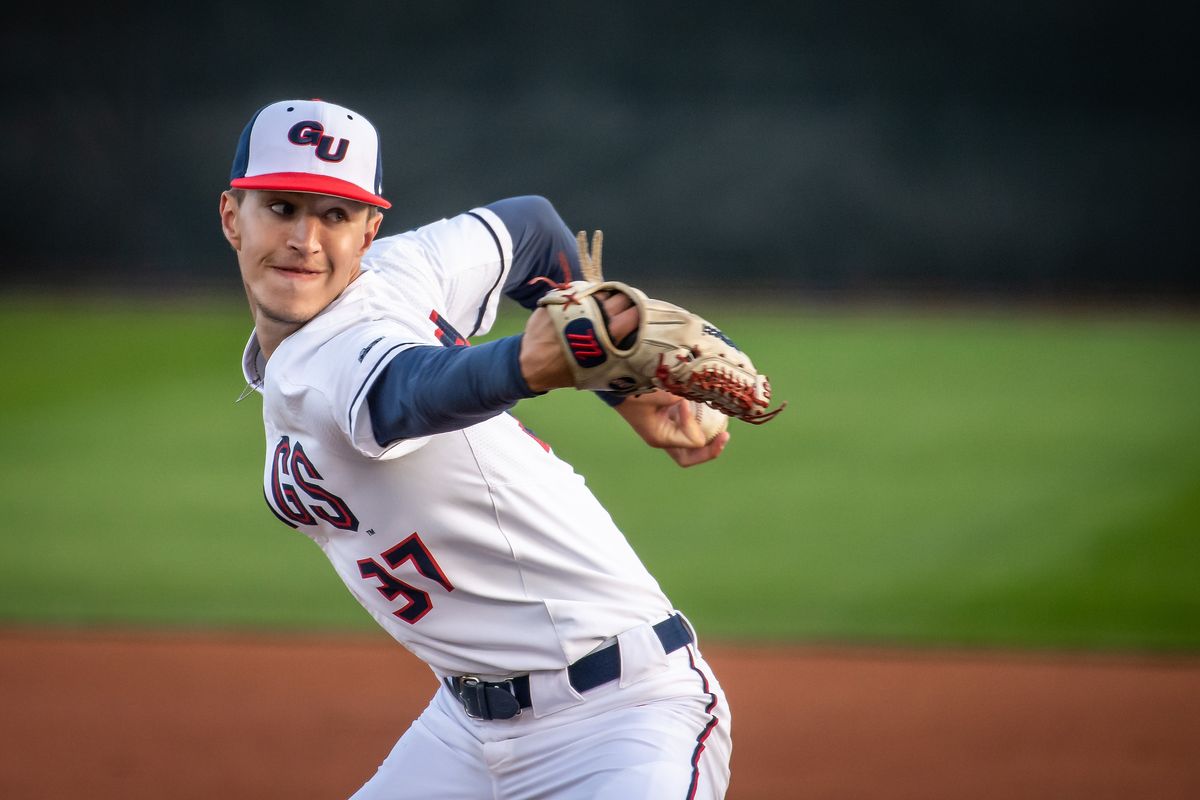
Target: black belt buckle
487 699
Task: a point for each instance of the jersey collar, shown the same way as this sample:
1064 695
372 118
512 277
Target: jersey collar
253 366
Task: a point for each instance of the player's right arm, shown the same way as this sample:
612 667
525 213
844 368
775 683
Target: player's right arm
428 390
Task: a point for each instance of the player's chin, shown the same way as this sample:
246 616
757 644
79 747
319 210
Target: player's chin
288 313
292 303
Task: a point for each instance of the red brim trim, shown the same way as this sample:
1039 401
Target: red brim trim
310 184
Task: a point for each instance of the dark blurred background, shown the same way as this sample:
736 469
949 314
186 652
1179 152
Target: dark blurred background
1041 150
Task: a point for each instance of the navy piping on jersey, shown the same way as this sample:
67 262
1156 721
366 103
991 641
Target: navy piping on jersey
426 390
366 381
487 297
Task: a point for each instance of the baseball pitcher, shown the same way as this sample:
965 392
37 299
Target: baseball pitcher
562 669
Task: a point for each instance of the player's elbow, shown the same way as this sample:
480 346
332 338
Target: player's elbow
531 212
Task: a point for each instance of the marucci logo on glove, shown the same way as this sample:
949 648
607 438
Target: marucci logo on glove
581 338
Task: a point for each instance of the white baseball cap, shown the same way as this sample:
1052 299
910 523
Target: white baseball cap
310 146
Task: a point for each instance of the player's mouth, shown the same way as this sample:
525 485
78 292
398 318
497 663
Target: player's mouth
297 273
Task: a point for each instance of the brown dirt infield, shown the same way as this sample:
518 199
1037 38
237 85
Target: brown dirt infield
133 715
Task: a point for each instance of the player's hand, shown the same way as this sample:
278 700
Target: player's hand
663 420
543 363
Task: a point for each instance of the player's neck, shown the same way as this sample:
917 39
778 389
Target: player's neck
271 332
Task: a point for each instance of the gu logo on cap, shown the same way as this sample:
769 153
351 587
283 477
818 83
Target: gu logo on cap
310 146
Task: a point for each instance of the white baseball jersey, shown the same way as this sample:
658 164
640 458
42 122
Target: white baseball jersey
477 549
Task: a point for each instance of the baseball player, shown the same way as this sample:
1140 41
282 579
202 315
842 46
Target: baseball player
563 671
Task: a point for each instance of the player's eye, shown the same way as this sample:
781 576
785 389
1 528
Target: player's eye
337 215
282 208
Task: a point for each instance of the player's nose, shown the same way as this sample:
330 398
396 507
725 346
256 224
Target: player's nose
304 235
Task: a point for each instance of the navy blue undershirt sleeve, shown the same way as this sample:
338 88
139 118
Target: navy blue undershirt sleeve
538 235
428 390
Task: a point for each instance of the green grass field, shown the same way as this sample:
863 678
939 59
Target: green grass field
954 478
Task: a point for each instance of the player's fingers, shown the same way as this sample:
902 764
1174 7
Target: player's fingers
680 428
691 456
623 322
662 420
615 302
618 305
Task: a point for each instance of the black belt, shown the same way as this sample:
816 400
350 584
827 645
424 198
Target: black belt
505 699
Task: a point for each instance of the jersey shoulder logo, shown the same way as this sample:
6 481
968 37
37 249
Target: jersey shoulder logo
363 353
296 497
444 332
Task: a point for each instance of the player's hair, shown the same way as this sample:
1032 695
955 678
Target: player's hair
240 195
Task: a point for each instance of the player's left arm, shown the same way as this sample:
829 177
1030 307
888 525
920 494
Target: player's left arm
541 241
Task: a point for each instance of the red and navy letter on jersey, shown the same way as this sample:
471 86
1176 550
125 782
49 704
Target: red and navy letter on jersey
295 497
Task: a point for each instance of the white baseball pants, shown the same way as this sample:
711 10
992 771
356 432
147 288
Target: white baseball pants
665 736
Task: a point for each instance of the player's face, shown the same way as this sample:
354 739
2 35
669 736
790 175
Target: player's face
297 251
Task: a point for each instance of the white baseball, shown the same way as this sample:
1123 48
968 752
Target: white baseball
710 420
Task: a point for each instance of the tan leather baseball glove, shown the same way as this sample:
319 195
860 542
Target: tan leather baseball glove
672 348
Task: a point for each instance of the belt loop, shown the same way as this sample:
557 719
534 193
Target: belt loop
642 654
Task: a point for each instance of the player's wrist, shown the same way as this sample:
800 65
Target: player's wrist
526 371
542 363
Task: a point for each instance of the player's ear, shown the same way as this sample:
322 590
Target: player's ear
229 220
371 232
